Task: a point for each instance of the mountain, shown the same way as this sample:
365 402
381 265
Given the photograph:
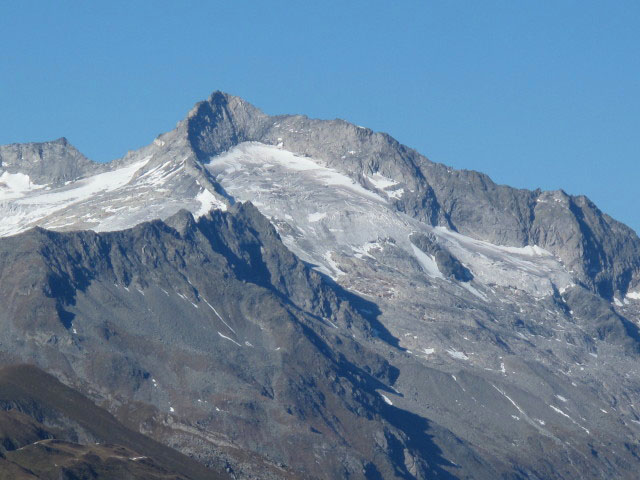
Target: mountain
283 297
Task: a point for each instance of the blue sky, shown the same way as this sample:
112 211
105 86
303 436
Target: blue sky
534 93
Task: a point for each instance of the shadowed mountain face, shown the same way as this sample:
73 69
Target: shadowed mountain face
215 339
282 297
42 422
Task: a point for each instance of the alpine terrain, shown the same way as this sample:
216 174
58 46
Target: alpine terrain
255 296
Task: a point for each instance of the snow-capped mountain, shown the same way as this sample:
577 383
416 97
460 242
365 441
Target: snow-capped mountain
393 315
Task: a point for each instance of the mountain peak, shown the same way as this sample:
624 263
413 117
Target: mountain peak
47 163
219 97
466 201
221 122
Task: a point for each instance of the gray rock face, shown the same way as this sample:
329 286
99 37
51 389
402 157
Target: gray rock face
49 163
600 321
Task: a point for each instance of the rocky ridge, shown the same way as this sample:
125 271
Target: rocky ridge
604 253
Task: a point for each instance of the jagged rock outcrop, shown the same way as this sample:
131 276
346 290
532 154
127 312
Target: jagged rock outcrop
47 163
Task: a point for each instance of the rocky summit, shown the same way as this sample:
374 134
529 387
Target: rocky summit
255 296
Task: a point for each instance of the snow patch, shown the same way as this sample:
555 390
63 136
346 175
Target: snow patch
633 295
384 184
230 339
565 288
335 270
208 201
27 204
380 181
474 291
458 355
396 194
85 188
427 262
316 217
364 251
218 315
15 185
256 154
557 410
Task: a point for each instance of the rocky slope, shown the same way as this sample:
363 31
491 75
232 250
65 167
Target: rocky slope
42 422
370 313
225 340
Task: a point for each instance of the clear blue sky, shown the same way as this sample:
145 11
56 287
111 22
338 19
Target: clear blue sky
534 93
